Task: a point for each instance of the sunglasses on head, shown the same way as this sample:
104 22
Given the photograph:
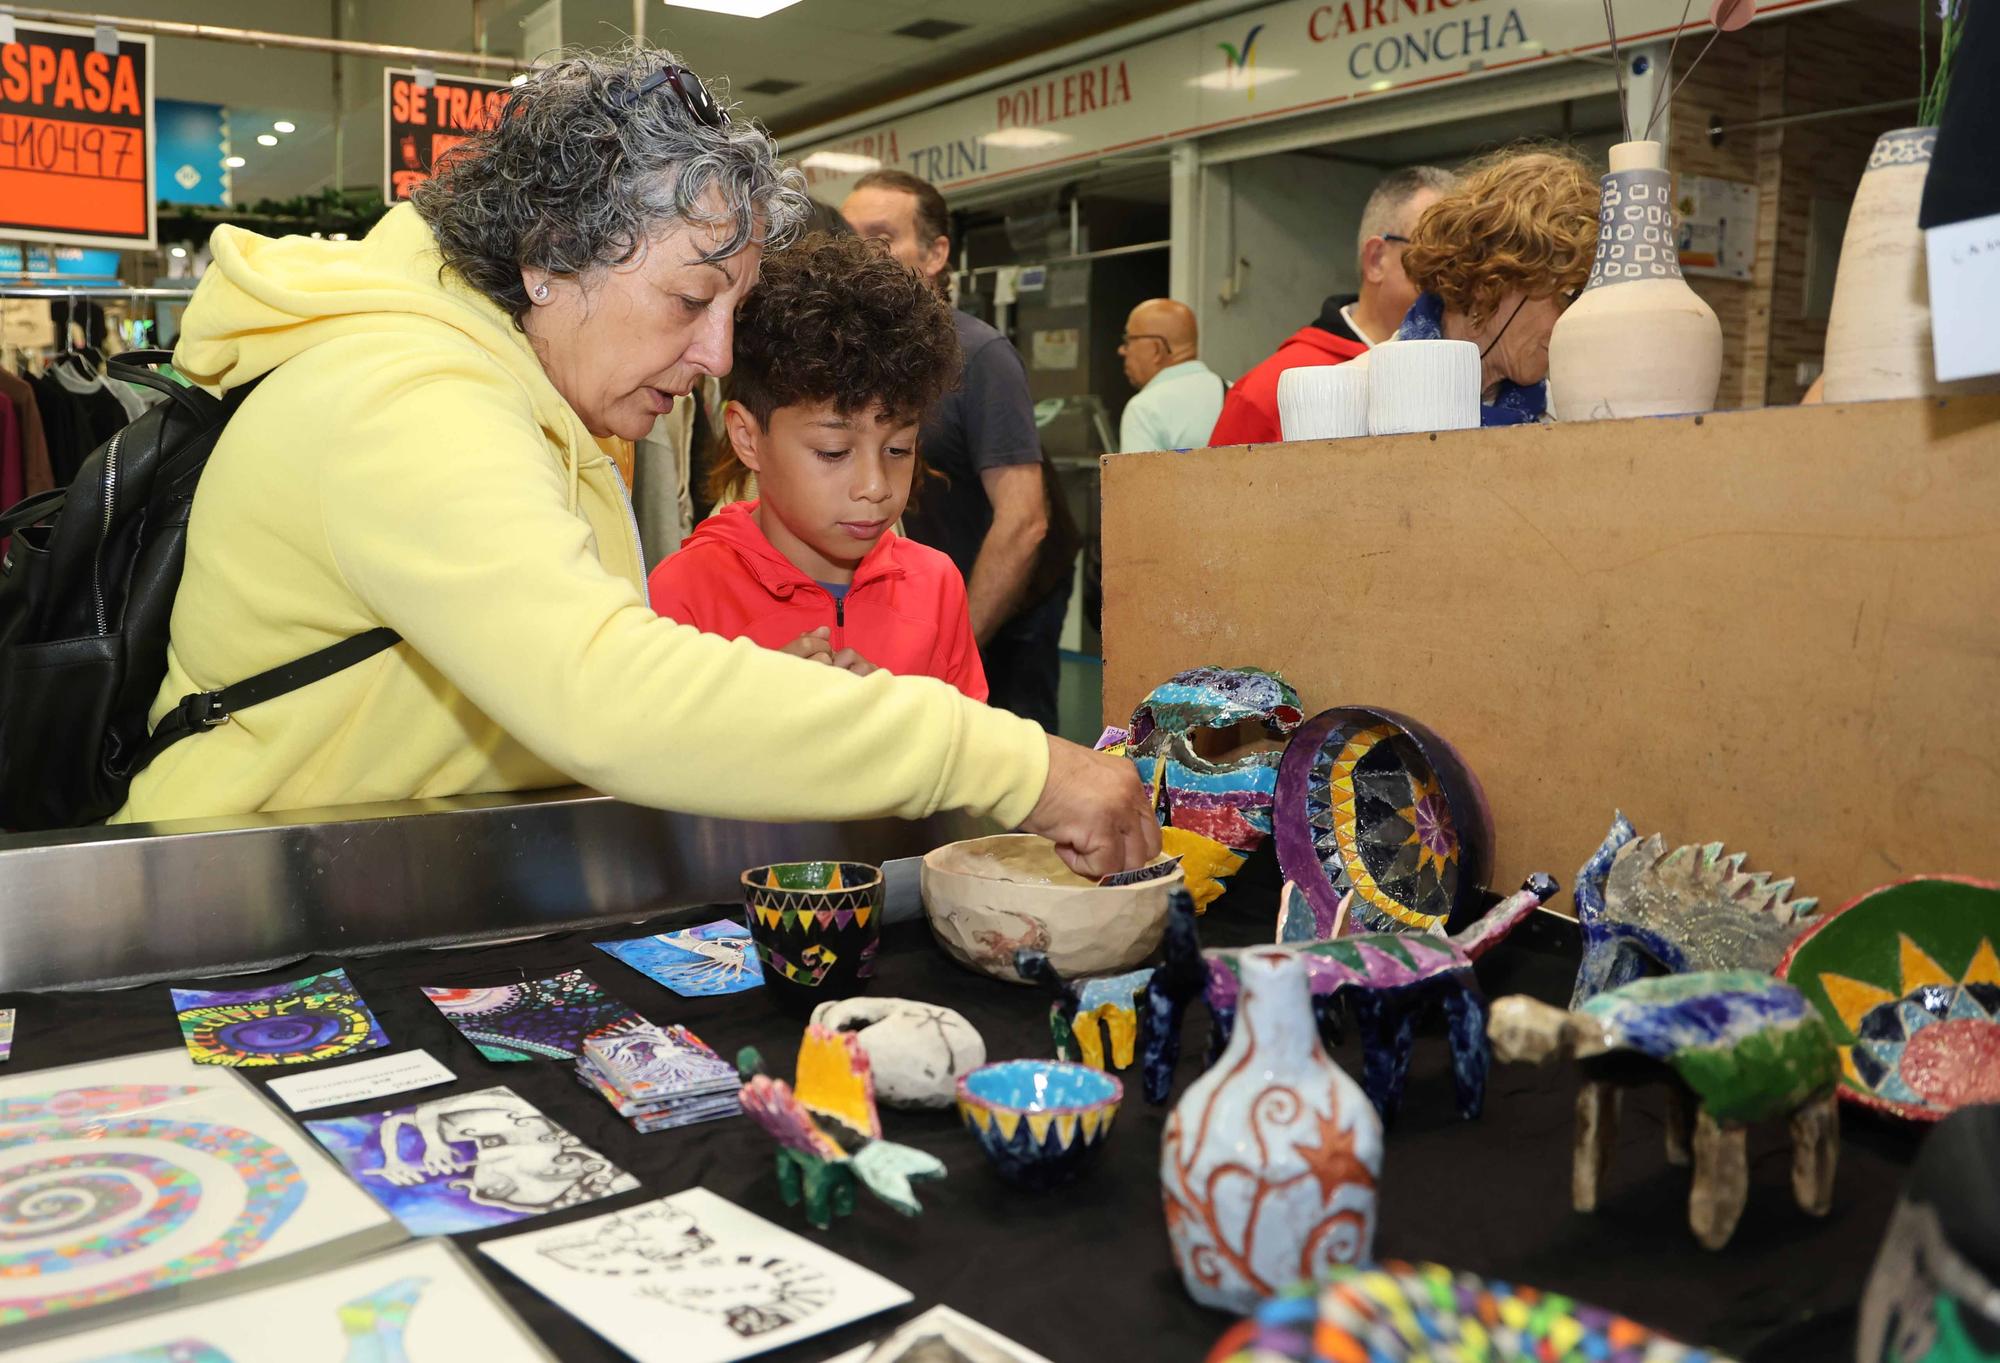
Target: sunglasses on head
700 105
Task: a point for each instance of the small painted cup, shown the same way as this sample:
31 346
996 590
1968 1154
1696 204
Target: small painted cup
817 926
1041 1122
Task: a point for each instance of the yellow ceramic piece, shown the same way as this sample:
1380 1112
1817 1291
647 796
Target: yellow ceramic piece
834 1081
1205 863
1122 1024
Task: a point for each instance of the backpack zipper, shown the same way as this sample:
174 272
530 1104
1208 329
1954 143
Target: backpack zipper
110 500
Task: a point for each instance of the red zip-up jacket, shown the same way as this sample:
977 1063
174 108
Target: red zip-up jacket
905 611
1250 407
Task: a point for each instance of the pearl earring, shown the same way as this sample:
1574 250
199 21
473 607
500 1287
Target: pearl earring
541 292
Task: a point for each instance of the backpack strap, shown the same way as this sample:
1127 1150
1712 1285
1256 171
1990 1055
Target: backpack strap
201 711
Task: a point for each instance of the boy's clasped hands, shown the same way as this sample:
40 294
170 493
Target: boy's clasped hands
817 646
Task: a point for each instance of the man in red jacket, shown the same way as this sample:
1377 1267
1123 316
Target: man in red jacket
1346 326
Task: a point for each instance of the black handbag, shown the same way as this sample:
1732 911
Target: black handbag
86 595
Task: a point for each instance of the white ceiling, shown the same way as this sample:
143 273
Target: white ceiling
847 56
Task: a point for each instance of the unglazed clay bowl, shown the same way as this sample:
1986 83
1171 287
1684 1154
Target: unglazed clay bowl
1041 1122
817 926
1908 978
988 897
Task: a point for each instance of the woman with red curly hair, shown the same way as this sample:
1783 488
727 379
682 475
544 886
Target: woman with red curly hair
1497 262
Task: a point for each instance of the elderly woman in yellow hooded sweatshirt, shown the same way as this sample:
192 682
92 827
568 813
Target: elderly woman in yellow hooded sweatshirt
430 450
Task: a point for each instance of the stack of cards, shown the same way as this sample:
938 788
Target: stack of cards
658 1077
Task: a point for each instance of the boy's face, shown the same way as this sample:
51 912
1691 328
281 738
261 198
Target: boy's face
830 484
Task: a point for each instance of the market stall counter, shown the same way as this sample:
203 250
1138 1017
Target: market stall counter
1084 1272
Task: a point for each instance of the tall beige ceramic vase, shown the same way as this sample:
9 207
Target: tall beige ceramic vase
1878 333
1638 341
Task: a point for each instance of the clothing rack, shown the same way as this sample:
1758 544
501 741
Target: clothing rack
91 291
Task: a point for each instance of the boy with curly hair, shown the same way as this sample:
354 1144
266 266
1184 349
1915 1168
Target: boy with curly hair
839 352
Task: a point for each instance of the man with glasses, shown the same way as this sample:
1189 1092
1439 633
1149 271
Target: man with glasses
1179 397
1348 325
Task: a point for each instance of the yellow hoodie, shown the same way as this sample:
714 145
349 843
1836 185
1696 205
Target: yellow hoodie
409 464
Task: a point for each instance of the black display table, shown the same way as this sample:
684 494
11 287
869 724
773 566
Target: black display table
1085 1273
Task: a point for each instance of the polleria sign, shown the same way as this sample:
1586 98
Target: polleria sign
426 121
76 138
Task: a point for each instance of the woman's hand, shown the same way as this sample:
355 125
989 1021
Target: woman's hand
814 646
1095 811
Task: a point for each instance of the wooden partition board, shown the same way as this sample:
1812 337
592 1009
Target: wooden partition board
1777 629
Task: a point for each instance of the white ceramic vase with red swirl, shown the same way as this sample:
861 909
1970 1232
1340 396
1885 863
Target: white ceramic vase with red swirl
1270 1160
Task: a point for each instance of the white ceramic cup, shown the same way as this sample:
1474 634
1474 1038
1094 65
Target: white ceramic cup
1423 386
1323 401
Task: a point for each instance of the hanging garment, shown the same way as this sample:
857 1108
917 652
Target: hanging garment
20 394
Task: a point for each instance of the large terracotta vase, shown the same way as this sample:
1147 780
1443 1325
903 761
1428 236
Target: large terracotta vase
1270 1160
1878 332
1638 341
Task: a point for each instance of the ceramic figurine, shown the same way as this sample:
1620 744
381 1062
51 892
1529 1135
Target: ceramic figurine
1637 341
1040 1122
1174 983
1086 1013
1299 920
1907 978
1269 1164
1185 740
817 926
1934 1294
1736 1046
916 1051
1389 979
1689 909
1392 1311
986 898
1374 804
819 1167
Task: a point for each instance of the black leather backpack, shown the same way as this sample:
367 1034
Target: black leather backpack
86 594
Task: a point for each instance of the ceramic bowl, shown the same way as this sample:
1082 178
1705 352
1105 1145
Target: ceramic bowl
1372 801
1908 978
1041 1122
989 896
817 926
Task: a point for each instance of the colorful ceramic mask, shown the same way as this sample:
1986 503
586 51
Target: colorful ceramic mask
1908 979
1371 802
1225 797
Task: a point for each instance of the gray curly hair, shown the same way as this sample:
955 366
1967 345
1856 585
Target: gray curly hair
576 175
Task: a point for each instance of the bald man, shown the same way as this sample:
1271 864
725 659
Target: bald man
1179 397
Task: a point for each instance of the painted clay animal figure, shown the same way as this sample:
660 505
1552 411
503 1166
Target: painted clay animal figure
1086 1013
818 1166
1691 908
1389 979
1733 1047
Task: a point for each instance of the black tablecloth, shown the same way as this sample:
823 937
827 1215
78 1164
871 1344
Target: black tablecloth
1085 1273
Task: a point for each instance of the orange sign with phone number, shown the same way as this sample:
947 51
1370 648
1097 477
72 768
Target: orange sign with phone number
76 135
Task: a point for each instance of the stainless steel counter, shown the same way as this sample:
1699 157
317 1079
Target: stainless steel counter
115 906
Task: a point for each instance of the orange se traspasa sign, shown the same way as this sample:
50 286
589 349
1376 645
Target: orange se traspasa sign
76 138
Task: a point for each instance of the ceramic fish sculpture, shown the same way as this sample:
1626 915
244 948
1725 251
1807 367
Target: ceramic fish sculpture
816 1166
1685 909
1734 1047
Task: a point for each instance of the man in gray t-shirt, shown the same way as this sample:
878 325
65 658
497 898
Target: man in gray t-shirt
990 510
